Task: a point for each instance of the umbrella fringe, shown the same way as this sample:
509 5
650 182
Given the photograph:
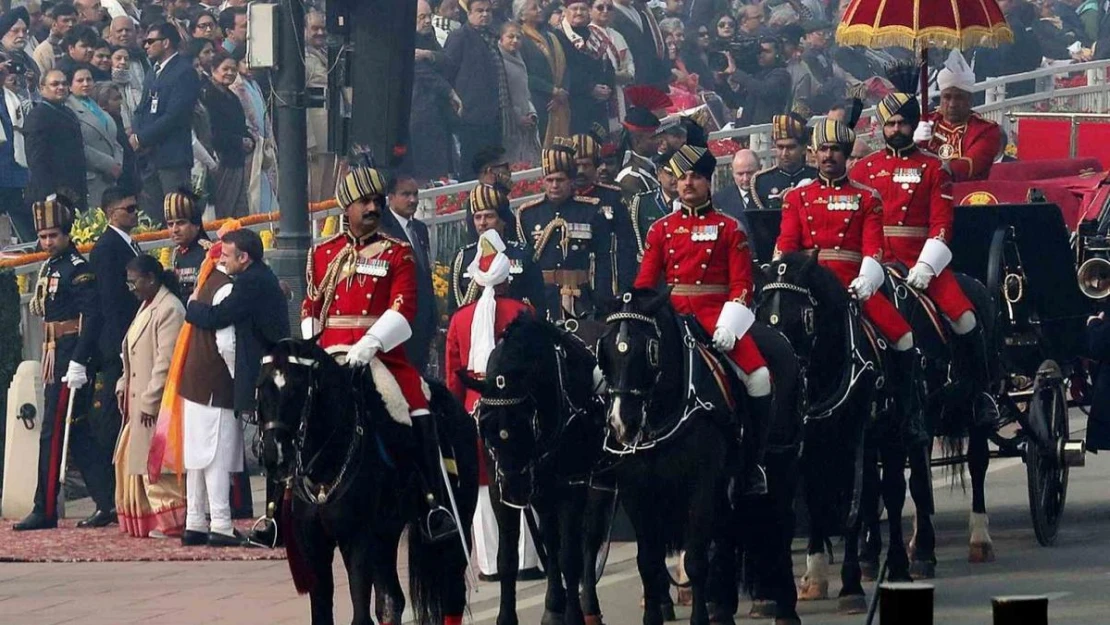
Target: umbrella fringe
935 37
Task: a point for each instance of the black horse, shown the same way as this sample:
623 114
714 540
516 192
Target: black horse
850 420
543 427
673 422
958 404
327 434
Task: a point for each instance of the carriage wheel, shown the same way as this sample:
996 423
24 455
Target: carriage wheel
1047 474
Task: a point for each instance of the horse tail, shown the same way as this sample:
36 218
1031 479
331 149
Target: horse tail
954 453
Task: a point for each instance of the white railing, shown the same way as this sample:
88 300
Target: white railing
447 230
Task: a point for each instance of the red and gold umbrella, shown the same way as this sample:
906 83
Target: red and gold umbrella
923 24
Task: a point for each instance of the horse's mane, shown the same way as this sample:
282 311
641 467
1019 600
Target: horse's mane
822 282
526 334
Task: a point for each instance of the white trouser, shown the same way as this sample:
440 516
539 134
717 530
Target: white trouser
485 538
209 489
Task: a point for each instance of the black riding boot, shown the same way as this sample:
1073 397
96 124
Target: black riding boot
903 385
438 522
758 422
974 366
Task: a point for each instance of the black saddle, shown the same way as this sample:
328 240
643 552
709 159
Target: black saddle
713 367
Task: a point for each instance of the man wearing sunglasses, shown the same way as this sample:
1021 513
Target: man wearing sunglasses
162 133
109 258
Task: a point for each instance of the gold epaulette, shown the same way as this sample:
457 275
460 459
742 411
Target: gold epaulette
329 239
205 243
585 199
531 203
393 239
863 187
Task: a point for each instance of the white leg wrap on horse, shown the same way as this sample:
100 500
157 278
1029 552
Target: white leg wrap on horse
966 323
905 343
979 528
817 568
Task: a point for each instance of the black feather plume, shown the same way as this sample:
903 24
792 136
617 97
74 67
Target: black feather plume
904 75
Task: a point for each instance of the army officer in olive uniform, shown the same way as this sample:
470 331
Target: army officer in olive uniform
570 238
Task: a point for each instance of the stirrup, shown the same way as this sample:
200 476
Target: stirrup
260 525
757 487
448 527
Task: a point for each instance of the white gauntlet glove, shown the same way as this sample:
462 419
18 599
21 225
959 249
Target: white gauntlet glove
920 276
76 376
724 339
363 351
862 288
923 133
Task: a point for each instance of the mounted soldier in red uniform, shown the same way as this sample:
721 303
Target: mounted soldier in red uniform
361 300
703 255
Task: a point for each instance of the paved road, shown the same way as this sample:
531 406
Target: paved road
1074 573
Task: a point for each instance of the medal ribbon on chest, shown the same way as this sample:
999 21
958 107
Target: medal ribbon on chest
705 233
843 203
907 175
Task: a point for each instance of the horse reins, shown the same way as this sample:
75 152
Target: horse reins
324 491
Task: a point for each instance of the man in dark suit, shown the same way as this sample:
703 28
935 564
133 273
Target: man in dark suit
109 257
736 198
639 28
55 153
400 222
163 123
259 310
471 63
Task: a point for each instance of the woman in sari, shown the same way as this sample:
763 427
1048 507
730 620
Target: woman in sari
154 508
261 166
547 65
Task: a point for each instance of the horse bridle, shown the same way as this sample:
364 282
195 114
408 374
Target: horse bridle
321 493
622 347
528 398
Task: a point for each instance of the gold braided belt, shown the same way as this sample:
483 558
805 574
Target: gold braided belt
686 290
906 231
840 255
350 322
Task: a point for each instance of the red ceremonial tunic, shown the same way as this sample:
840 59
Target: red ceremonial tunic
968 149
843 221
372 275
458 356
703 255
916 192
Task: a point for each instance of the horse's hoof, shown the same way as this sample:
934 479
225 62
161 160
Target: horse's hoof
852 604
592 619
813 591
685 597
899 574
869 570
508 620
923 569
551 618
667 610
979 553
793 620
762 608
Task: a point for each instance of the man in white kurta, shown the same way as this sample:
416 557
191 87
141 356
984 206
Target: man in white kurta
213 437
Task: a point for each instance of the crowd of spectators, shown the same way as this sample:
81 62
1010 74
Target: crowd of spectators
757 58
146 96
